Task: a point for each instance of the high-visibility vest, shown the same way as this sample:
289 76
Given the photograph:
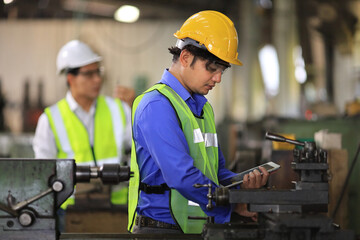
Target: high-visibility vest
200 134
73 142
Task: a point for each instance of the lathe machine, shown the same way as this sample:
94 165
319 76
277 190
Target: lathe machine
32 190
298 213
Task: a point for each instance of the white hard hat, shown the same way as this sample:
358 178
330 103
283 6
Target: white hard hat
75 54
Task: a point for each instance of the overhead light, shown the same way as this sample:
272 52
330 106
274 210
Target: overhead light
127 13
89 7
269 64
266 4
8 1
300 72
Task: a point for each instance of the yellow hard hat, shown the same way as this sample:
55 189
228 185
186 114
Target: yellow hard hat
215 31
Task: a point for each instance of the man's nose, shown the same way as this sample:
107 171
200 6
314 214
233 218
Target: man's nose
217 77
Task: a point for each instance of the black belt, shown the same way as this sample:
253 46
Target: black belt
157 189
149 222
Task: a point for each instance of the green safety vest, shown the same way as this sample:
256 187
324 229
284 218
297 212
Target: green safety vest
200 134
72 138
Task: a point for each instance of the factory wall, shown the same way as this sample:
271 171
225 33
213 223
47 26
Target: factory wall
134 55
29 50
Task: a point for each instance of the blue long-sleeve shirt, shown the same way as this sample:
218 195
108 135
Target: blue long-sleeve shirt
163 154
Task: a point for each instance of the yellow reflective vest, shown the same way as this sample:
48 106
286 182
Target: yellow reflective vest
200 134
73 142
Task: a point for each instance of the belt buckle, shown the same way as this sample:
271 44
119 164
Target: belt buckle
149 222
161 224
142 222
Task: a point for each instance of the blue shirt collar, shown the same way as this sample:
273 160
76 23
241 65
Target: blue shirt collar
172 82
196 102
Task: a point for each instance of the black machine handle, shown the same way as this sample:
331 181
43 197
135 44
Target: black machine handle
278 138
108 173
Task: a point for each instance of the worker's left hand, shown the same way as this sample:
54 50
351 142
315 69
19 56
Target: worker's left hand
255 179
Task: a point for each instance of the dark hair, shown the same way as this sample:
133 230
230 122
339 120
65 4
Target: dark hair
73 71
198 53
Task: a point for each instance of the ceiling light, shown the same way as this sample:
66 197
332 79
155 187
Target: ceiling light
127 13
8 1
89 7
300 72
265 4
269 64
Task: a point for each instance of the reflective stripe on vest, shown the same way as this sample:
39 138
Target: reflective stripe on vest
72 139
210 139
200 134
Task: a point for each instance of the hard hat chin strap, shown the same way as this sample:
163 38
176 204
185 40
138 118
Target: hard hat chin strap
181 43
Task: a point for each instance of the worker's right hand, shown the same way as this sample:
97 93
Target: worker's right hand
255 179
241 209
125 94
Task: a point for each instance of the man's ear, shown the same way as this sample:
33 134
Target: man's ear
186 58
70 79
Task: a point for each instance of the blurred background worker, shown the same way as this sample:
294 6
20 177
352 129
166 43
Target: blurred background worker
175 141
85 126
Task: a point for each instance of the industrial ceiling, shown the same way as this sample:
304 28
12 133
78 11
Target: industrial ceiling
150 9
335 19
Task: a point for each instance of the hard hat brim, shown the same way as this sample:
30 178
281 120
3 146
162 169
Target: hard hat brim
82 64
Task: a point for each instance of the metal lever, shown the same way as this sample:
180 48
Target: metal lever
209 206
8 210
278 138
57 186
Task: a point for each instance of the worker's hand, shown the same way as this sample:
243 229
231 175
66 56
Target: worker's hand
255 179
241 209
125 94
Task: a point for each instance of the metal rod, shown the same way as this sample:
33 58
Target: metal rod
278 138
8 210
30 200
